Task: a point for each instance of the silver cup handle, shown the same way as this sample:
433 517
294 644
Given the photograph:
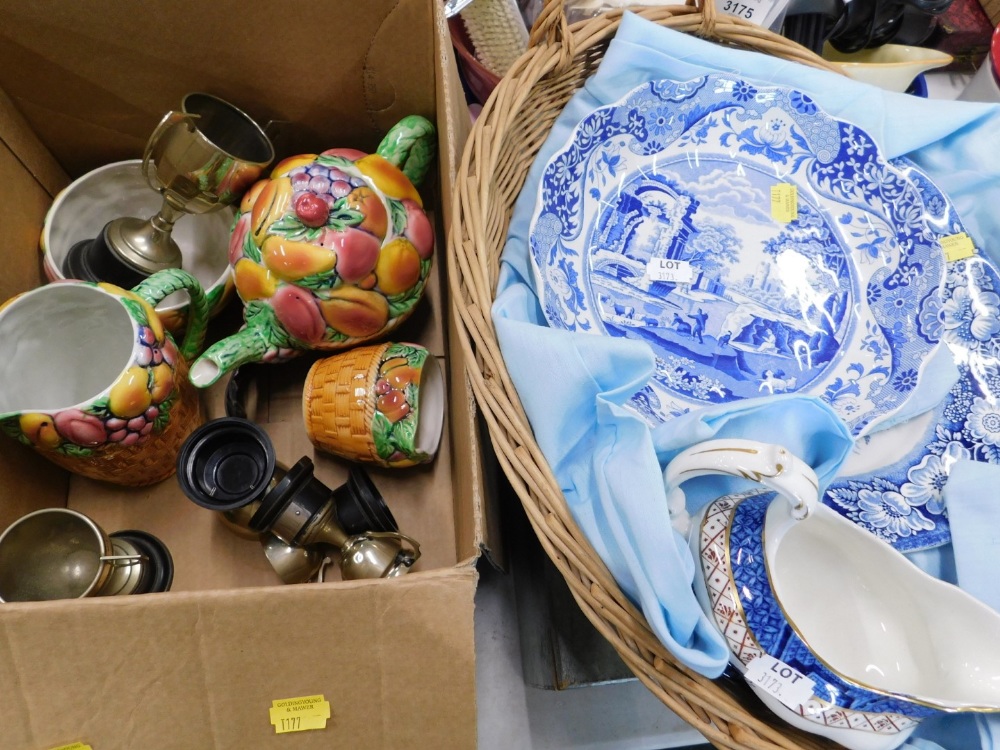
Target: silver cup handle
116 559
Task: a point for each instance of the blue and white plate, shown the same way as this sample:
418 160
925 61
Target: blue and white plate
677 178
900 496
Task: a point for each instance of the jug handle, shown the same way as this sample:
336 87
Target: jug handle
163 283
409 145
770 465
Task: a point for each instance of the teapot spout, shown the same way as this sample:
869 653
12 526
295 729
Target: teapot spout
252 343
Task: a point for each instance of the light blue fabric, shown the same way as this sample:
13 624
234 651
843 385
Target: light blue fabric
607 461
972 498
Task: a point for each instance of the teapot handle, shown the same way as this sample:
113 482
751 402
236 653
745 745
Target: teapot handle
162 283
771 465
410 146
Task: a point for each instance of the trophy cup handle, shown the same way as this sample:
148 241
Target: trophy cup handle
169 120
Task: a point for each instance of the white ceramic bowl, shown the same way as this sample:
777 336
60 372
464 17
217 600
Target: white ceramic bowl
891 67
81 210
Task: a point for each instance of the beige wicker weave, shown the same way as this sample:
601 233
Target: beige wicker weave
336 419
499 153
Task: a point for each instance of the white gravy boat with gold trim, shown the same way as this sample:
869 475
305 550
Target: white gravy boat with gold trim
836 631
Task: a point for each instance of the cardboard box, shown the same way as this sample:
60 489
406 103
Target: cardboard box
198 667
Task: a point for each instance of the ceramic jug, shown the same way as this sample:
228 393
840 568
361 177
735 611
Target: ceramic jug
332 250
836 631
94 382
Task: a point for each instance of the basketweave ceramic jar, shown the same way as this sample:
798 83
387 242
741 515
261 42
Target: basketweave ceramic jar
381 404
334 249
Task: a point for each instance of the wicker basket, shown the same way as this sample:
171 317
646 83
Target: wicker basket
504 142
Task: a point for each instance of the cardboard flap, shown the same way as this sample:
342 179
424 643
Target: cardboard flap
18 138
199 667
188 671
94 77
30 179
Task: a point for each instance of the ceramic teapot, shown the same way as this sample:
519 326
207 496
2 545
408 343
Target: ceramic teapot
332 250
836 631
93 381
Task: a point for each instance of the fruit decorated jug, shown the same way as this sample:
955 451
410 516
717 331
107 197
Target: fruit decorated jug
332 250
94 382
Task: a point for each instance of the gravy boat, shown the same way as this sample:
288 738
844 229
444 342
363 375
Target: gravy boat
836 631
892 67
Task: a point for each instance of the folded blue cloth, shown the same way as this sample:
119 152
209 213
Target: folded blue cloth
573 386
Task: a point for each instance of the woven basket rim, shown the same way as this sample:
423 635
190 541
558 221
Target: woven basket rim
485 188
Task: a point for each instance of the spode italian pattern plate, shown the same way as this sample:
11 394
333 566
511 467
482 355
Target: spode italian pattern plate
902 499
679 175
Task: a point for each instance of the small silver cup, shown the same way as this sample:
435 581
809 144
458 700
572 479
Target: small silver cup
57 553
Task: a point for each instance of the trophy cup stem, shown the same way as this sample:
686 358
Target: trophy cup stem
164 220
324 530
146 245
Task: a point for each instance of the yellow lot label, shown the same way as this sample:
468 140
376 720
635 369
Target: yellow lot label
957 247
299 714
784 202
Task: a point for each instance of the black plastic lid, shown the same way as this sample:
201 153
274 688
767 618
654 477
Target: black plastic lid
299 484
360 506
94 260
226 463
158 571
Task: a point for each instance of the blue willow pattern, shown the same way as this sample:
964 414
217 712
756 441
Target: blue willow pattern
767 622
644 166
904 504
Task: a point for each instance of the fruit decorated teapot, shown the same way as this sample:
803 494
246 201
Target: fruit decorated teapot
332 250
